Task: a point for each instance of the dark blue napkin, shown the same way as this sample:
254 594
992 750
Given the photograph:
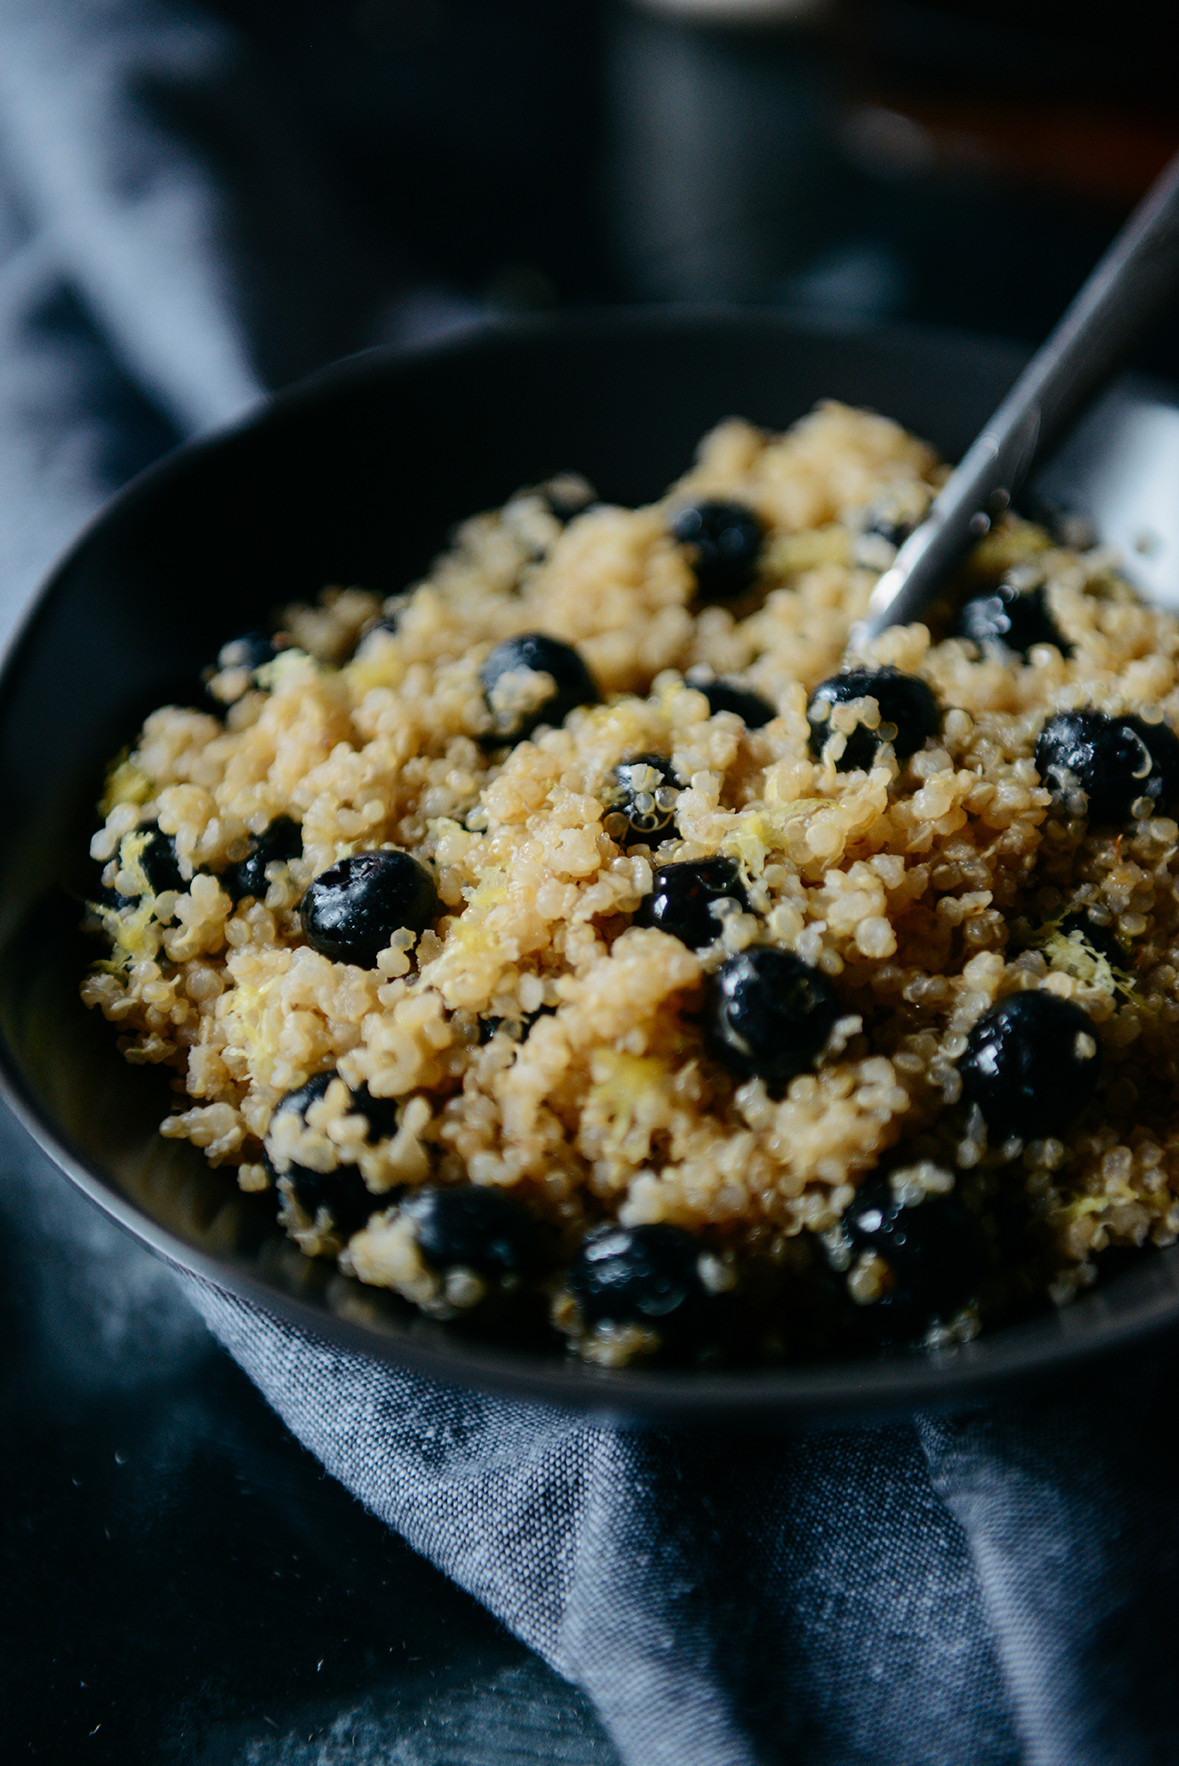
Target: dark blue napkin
985 1589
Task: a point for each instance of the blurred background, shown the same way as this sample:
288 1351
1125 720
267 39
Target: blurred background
889 159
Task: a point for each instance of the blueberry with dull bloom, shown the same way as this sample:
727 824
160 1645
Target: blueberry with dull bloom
351 911
725 540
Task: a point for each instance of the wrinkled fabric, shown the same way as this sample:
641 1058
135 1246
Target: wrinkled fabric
991 1589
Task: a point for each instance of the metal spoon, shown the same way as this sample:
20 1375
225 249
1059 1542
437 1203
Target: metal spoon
1128 288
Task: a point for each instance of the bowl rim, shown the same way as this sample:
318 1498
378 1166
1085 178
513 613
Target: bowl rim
1042 1349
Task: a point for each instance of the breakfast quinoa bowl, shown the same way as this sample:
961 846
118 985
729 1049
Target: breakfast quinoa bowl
574 937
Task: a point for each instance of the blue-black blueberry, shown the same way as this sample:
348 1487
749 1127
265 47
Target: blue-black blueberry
157 860
468 1226
905 701
537 654
343 1192
1100 938
351 911
683 896
1010 620
1030 1064
932 1251
1114 760
250 651
751 708
647 1275
640 799
770 1013
725 540
279 842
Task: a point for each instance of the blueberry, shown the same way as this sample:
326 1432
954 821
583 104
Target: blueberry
279 842
932 1251
726 542
1113 760
351 911
771 1013
467 1226
1030 1064
640 800
1010 621
250 651
534 653
683 895
301 1099
156 857
1101 939
891 528
637 1275
386 623
379 1113
343 1192
751 708
905 702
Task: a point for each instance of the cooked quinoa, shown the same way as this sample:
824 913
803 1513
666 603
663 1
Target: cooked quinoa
787 1100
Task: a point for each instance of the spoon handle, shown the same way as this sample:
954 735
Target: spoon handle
1126 290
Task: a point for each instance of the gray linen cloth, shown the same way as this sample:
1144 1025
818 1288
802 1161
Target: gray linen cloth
992 1588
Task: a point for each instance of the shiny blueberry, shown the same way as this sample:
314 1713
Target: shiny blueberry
1030 1064
683 896
771 1013
466 1226
637 1275
932 1252
640 800
726 544
751 708
533 653
343 1192
905 702
1113 760
1010 620
278 844
351 911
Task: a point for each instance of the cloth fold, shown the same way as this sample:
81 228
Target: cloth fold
989 1589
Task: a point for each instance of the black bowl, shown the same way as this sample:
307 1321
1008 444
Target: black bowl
356 476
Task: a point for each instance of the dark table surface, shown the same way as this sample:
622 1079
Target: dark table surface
182 1582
